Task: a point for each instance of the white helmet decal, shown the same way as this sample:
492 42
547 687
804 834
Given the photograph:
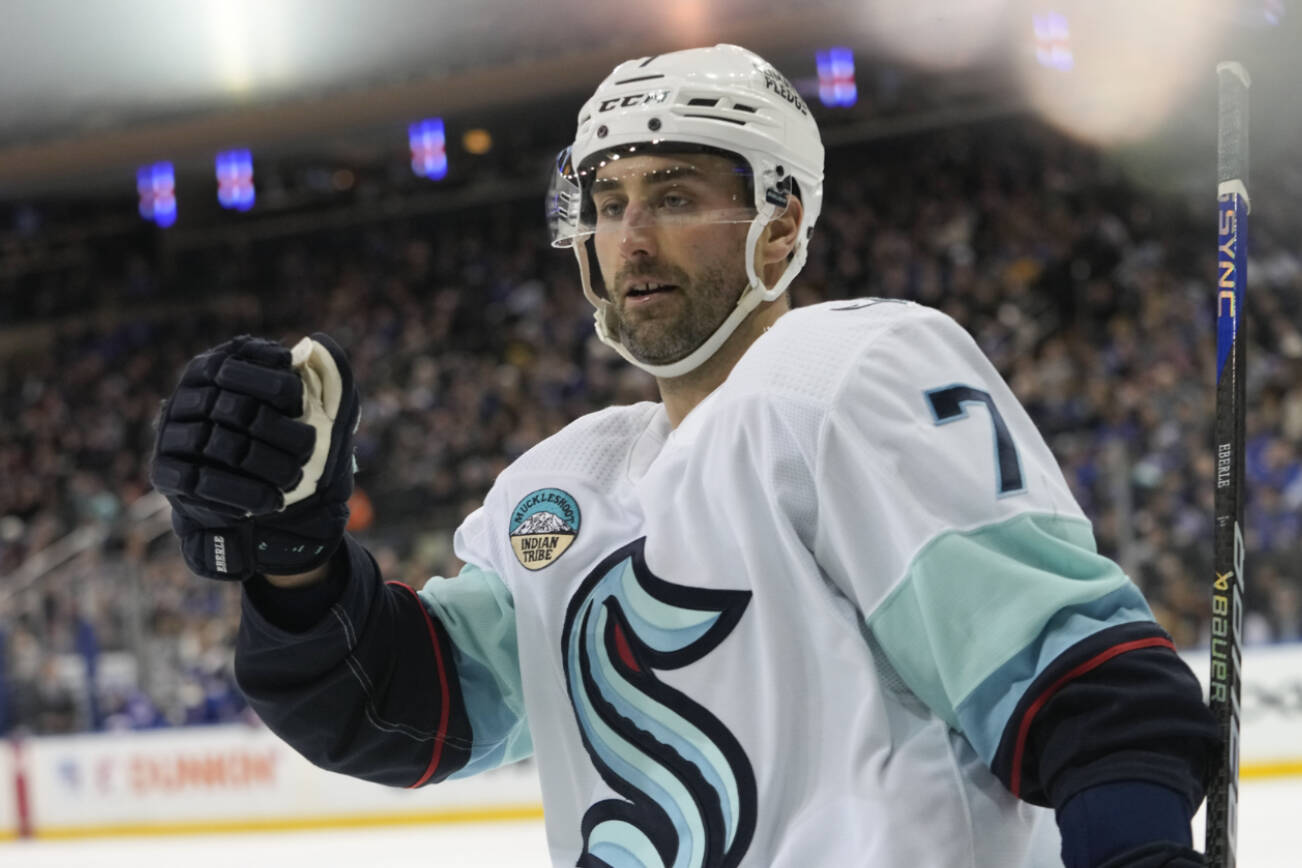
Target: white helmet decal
723 98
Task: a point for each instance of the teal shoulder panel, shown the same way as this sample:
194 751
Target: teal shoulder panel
973 600
476 610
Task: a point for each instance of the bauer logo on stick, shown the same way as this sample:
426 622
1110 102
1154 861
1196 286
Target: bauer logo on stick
543 525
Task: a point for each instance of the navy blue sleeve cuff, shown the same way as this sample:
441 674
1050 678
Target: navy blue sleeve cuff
1107 820
1118 706
298 610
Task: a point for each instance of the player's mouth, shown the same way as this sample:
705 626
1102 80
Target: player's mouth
642 292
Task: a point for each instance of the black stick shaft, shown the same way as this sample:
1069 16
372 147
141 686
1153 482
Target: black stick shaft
1228 553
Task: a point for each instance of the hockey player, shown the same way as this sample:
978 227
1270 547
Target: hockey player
830 603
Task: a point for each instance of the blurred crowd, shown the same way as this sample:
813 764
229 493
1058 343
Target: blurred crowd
472 341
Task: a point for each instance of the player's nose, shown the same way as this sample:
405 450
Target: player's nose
637 232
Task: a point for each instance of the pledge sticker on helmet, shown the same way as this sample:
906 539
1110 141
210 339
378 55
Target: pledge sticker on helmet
777 82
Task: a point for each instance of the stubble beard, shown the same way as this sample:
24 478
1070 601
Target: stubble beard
661 337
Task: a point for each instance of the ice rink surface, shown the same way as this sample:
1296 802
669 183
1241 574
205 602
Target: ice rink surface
1270 836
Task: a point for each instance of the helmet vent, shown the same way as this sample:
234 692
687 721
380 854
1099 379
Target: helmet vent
641 78
744 108
739 122
703 101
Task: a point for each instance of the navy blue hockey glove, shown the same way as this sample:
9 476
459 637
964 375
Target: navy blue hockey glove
1162 854
255 454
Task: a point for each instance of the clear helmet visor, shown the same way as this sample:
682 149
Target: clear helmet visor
630 191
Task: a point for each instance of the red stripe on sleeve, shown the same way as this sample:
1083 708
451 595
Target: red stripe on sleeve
445 698
1092 663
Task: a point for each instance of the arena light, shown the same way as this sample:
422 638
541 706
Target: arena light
935 34
1257 14
1052 41
156 184
687 19
477 141
1119 71
836 85
235 179
429 151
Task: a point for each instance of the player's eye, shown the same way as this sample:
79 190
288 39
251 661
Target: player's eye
610 209
675 201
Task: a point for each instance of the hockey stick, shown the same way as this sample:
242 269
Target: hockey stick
1228 554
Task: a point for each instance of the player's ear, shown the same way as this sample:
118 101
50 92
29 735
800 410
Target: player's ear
778 241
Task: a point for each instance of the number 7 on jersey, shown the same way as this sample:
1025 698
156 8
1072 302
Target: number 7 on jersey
949 404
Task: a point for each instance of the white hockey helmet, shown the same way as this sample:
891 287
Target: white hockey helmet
722 98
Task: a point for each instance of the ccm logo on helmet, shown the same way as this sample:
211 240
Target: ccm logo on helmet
633 99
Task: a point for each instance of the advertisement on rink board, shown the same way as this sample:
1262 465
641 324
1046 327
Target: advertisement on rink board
237 778
1270 704
223 778
186 770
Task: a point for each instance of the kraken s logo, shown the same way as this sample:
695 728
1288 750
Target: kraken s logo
688 789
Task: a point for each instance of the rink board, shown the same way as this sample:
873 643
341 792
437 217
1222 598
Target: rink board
242 778
231 778
8 782
1271 708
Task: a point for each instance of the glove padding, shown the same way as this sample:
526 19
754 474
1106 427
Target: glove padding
1161 854
255 454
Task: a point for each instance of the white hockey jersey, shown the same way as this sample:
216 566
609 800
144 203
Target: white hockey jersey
791 632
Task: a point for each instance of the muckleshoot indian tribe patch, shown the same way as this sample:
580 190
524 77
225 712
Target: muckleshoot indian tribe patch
542 527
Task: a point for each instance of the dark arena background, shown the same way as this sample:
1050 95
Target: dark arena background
173 174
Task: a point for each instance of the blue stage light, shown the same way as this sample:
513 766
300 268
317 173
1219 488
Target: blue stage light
429 152
836 85
1053 41
156 185
235 179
